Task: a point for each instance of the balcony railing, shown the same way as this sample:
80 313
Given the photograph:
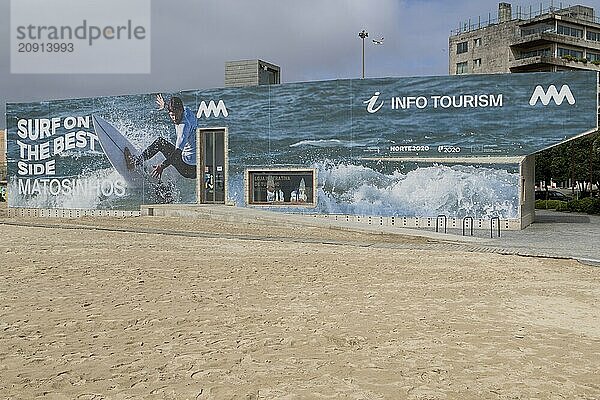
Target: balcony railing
521 14
559 61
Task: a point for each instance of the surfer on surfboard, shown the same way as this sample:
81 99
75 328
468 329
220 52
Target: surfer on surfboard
182 155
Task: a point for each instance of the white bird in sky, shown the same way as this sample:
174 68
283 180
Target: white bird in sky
380 41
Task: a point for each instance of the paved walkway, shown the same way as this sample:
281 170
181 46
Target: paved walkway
554 234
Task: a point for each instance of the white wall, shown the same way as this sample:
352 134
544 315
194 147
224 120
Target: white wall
527 191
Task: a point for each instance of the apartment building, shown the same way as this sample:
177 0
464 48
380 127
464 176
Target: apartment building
526 40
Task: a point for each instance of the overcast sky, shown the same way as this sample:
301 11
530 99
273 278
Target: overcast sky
308 39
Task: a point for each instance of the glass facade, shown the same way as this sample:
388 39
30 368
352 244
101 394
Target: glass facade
594 36
569 31
545 52
569 52
592 56
539 28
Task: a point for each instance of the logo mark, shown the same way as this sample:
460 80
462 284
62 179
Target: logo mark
371 103
552 94
212 109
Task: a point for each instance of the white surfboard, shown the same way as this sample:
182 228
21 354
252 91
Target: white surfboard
114 143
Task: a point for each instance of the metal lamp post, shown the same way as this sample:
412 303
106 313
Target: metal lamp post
363 34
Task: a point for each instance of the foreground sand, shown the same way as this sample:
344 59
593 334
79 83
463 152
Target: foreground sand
91 314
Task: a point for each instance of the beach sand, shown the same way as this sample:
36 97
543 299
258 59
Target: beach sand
101 314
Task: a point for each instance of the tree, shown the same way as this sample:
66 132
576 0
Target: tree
577 160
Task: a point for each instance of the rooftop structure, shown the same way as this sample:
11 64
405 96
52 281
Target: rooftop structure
251 73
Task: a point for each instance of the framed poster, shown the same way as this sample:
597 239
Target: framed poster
281 187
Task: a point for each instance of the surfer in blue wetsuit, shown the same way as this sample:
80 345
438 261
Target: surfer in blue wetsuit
182 155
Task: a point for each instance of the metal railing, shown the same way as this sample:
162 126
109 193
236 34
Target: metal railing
468 224
437 222
497 219
464 224
522 14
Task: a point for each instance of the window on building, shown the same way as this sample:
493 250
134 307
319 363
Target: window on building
477 42
462 47
477 63
591 35
538 28
592 56
562 52
527 31
536 53
461 68
569 31
268 76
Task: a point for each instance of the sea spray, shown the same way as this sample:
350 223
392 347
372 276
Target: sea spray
456 191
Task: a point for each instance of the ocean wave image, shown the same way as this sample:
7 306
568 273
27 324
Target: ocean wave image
455 191
334 143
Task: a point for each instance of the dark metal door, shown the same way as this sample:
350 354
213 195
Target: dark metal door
213 165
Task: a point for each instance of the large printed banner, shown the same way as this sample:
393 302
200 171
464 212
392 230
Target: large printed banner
364 139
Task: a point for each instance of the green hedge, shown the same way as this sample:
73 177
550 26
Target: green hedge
587 205
549 204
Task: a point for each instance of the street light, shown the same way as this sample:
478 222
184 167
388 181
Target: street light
363 34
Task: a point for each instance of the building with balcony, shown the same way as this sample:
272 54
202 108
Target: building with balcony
527 40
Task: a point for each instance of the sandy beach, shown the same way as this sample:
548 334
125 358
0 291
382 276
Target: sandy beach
212 310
